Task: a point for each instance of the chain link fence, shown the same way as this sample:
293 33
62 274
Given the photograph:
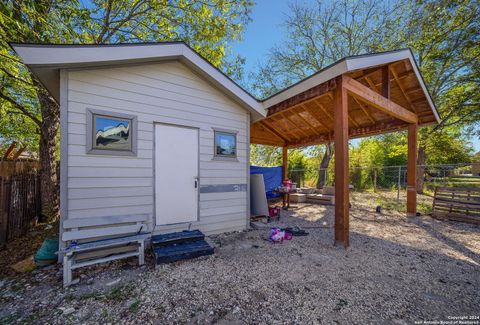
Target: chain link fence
390 182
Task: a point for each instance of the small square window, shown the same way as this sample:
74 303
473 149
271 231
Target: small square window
225 144
111 134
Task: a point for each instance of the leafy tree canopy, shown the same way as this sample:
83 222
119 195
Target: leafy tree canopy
443 35
207 26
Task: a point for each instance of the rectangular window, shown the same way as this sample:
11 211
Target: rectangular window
225 144
111 133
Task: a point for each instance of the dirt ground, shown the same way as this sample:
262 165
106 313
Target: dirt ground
397 270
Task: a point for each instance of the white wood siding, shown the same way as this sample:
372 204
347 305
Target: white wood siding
169 92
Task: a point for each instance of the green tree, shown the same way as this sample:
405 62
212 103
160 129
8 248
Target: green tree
296 166
261 155
206 25
444 36
319 34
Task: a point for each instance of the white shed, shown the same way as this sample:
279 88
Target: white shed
155 129
149 129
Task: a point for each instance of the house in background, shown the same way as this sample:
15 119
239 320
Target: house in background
155 129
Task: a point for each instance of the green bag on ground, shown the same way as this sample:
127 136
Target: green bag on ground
46 254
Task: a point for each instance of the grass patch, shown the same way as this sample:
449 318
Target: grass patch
133 308
120 293
90 295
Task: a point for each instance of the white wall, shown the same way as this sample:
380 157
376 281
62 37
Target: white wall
166 92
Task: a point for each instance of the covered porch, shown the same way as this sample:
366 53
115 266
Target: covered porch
354 97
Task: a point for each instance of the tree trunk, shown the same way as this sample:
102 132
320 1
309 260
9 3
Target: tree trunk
421 159
48 157
322 170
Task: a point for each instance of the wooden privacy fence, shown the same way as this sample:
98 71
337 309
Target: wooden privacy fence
14 167
19 205
457 203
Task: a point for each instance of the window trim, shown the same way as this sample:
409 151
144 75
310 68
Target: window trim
92 150
224 157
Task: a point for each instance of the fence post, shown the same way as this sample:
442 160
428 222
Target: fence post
6 184
3 219
399 184
374 179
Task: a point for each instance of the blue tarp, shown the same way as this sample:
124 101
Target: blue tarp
272 177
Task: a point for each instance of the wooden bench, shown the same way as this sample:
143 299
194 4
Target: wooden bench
326 197
89 236
457 203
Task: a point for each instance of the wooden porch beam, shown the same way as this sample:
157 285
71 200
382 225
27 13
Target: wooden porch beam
284 163
353 133
386 76
307 95
378 101
412 170
340 114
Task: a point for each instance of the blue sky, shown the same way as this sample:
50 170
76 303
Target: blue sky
265 31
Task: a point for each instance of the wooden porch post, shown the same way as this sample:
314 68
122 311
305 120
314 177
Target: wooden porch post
340 114
285 163
412 170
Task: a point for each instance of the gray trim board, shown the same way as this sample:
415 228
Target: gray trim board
248 172
63 154
222 188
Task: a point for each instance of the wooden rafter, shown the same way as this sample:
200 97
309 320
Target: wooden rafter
316 119
353 121
378 101
313 128
272 130
402 90
285 127
295 124
386 75
324 110
364 109
309 94
349 117
371 84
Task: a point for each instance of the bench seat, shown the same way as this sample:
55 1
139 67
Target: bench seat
90 235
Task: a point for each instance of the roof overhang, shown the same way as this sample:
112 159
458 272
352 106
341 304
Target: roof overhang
347 65
45 61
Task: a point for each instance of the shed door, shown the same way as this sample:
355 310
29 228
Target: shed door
176 174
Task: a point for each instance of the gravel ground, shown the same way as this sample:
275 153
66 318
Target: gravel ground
396 271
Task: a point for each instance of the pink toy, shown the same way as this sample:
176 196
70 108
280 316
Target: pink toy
278 236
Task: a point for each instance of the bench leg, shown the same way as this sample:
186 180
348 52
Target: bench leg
67 270
141 253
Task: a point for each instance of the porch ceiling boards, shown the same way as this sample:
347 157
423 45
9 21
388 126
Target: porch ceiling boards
307 118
